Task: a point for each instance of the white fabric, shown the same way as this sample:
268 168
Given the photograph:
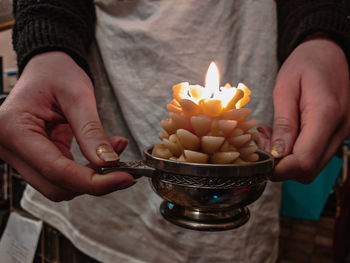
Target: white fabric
146 47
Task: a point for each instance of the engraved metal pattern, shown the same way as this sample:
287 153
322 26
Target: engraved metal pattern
211 182
133 164
136 168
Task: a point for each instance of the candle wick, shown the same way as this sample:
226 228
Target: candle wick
189 94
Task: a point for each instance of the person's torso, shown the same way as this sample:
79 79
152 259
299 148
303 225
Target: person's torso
146 48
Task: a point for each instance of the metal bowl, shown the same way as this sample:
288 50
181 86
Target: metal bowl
206 197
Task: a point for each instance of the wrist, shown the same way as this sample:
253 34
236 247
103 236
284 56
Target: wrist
322 42
55 67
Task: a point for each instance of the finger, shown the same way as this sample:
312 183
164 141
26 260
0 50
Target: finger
80 109
48 189
62 136
264 139
317 124
286 115
309 156
48 160
118 143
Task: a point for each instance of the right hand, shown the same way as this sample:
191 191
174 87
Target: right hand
52 101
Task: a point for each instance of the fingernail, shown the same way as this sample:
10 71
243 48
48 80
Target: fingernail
277 148
107 154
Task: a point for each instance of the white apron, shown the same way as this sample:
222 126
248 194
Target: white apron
146 47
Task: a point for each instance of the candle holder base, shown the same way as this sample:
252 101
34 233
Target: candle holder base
204 220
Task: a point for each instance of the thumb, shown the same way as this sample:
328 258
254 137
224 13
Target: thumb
286 116
81 112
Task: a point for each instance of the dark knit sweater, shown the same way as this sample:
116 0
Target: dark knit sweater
298 19
68 25
53 25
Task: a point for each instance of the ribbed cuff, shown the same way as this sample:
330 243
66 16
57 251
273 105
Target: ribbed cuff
53 26
40 36
325 18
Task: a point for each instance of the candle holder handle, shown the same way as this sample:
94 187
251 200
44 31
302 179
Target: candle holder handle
136 168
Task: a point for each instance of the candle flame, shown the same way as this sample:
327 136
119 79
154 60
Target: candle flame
212 82
212 96
212 86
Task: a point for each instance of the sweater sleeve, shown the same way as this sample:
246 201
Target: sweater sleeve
298 19
53 25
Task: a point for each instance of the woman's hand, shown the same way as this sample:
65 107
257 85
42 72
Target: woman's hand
312 110
52 101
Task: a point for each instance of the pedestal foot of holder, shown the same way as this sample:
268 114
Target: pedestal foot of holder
197 219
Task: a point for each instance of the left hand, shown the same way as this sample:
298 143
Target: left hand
312 110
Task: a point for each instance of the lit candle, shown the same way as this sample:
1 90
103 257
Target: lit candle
208 124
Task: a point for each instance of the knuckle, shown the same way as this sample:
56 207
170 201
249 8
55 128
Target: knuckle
66 91
332 110
284 124
47 171
65 167
55 196
307 167
56 171
91 129
95 190
333 105
78 95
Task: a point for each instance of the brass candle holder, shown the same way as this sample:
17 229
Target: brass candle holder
208 197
